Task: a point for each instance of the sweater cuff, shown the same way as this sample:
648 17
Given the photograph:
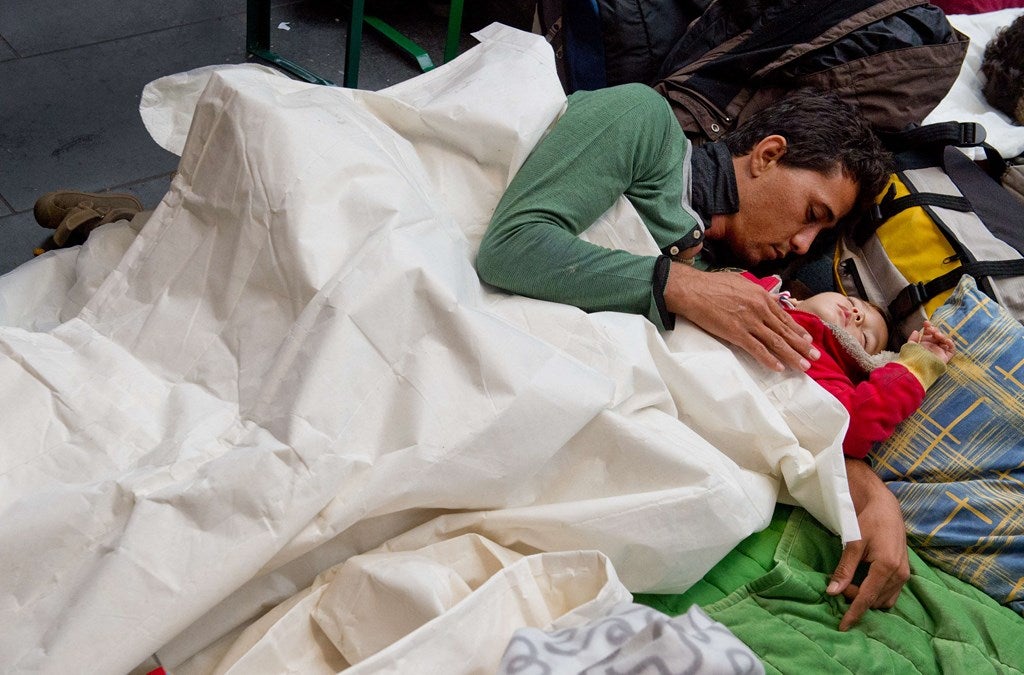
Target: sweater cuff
660 280
925 366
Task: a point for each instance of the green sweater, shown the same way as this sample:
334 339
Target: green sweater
610 142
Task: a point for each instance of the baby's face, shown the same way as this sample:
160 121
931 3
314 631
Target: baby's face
862 321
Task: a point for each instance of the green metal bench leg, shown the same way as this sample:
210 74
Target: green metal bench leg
402 42
257 25
451 45
257 40
354 44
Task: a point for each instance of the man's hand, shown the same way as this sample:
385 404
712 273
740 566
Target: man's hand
883 547
738 311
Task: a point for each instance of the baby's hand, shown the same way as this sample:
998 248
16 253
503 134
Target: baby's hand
935 341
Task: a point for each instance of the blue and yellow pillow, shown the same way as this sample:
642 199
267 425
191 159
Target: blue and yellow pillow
957 464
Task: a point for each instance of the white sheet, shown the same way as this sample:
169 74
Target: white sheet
294 362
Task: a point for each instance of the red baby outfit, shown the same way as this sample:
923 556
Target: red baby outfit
877 401
877 395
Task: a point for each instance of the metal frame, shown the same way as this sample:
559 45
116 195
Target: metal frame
257 40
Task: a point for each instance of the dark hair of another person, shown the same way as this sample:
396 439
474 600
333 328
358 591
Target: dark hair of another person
1003 68
822 132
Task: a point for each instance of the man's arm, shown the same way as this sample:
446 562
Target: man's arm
586 162
609 143
731 307
883 546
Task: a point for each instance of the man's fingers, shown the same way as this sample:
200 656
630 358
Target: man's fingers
843 573
880 589
876 592
740 312
890 601
774 351
861 603
794 334
883 547
841 580
761 353
786 342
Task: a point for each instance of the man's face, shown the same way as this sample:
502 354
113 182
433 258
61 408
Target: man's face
782 209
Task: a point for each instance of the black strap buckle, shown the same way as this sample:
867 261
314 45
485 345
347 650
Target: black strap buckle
876 216
971 133
908 300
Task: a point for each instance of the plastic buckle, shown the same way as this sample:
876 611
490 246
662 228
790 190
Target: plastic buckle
917 294
907 300
971 133
875 215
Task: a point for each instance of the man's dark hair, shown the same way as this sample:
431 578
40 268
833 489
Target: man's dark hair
822 132
1003 68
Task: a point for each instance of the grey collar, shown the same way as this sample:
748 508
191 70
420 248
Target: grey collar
714 181
866 362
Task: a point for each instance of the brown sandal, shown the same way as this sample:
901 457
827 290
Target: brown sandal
73 215
53 207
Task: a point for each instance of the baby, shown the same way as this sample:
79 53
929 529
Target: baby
880 389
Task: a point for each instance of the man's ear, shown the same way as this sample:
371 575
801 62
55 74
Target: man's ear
766 152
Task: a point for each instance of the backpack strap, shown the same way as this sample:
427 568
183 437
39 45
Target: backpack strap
915 295
921 146
993 203
960 134
890 204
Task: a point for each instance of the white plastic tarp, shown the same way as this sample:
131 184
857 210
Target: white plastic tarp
294 361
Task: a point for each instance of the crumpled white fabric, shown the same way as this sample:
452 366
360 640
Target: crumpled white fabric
451 606
294 362
168 102
468 605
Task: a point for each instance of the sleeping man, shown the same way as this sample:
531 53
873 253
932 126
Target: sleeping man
762 193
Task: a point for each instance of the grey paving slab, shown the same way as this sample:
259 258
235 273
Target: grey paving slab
40 26
6 51
19 235
150 192
70 119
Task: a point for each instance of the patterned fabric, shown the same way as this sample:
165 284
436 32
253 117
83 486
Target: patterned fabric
632 639
957 464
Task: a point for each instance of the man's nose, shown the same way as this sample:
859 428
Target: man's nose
801 242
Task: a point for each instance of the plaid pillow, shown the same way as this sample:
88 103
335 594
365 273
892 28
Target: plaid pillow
957 464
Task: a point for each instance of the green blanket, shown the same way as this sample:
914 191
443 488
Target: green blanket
770 591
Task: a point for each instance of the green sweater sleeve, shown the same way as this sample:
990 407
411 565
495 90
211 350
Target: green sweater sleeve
611 142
